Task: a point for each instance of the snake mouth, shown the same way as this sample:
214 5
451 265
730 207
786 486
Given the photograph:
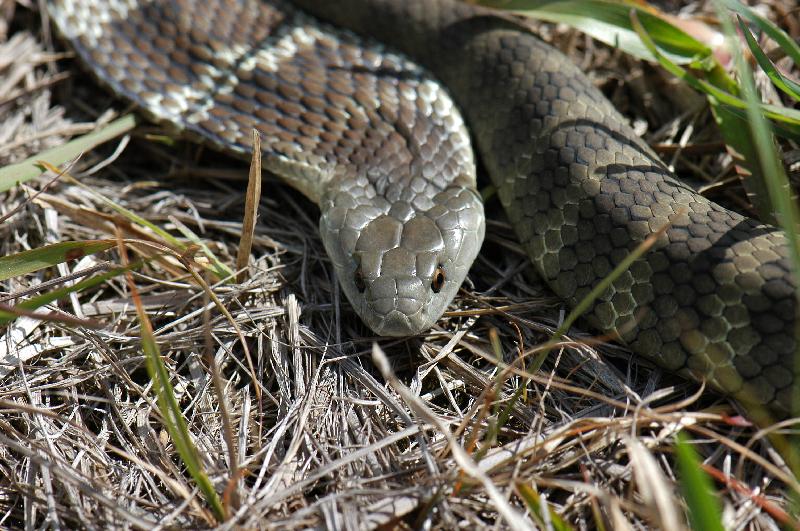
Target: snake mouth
395 316
396 324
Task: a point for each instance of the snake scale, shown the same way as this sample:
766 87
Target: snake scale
374 138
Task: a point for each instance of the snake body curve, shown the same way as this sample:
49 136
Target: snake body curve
713 299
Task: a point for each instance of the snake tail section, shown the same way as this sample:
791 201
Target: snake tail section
715 298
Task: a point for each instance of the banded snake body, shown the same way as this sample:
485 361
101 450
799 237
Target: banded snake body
374 138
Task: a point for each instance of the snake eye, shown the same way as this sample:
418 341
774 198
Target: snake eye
437 283
358 280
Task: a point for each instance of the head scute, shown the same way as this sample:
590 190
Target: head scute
400 268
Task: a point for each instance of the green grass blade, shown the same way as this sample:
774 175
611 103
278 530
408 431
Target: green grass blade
12 175
46 298
788 86
218 268
171 411
775 33
781 114
29 261
584 305
777 183
732 115
735 130
705 513
785 130
551 520
608 21
130 215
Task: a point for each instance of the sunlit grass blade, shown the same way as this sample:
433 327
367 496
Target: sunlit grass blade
169 408
775 177
787 85
26 262
775 112
252 200
775 33
705 513
739 143
9 313
733 118
218 267
551 520
609 22
57 294
13 174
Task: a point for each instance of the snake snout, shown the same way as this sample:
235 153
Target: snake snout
397 306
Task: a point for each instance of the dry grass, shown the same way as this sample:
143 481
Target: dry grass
323 438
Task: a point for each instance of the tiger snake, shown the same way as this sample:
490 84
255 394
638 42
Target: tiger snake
373 114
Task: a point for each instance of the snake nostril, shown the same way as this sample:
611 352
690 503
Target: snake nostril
437 283
358 280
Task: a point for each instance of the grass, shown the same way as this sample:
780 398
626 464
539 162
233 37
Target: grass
14 174
704 507
186 393
168 406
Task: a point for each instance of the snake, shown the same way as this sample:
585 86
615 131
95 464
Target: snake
379 111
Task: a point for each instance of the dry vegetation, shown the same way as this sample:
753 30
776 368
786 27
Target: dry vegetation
322 437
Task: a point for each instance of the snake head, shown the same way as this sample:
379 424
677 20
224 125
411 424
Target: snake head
401 255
